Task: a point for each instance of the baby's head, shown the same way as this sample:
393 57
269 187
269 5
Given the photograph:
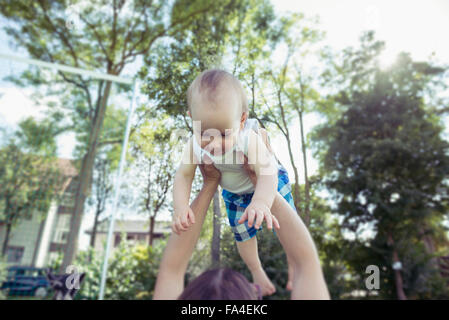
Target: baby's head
218 107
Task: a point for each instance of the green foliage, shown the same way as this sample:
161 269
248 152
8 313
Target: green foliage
380 149
173 65
92 35
55 263
330 243
37 138
132 272
387 166
29 176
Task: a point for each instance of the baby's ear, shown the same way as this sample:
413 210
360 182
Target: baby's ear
188 113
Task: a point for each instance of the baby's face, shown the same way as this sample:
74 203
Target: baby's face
217 123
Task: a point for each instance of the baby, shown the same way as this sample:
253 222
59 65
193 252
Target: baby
223 135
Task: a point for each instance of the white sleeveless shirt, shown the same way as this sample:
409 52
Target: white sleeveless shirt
233 176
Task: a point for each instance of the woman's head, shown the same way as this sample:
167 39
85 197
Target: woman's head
220 284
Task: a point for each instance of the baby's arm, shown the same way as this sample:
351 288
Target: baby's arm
263 163
182 186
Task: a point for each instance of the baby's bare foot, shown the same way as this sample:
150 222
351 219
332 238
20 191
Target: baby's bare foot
260 277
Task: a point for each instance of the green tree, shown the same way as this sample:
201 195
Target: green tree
387 166
102 192
29 178
330 242
152 151
292 94
103 37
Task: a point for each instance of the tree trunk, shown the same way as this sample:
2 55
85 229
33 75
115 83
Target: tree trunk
94 234
94 230
398 279
216 231
152 220
6 240
397 273
306 176
84 181
430 246
295 186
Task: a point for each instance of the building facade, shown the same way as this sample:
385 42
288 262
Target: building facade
133 231
39 239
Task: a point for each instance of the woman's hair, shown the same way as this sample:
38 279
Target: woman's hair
210 80
219 284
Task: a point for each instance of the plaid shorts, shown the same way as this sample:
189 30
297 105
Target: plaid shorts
237 203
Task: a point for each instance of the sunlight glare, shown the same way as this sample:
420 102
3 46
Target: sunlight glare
387 58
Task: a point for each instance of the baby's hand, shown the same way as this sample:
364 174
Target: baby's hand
258 210
183 218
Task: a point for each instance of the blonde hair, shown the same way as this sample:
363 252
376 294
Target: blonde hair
210 80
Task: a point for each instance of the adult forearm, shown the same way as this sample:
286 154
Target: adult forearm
199 207
202 201
308 280
170 281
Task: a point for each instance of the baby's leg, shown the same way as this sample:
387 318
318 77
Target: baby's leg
248 251
308 279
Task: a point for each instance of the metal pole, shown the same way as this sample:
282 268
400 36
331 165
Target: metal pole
61 67
117 192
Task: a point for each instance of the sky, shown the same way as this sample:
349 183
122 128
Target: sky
417 27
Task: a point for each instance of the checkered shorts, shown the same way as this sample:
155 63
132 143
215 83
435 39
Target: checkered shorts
237 203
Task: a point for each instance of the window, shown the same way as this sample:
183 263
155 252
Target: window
62 228
73 185
117 240
67 200
64 221
61 236
15 254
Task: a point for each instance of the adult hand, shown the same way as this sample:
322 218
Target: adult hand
209 172
264 135
251 173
